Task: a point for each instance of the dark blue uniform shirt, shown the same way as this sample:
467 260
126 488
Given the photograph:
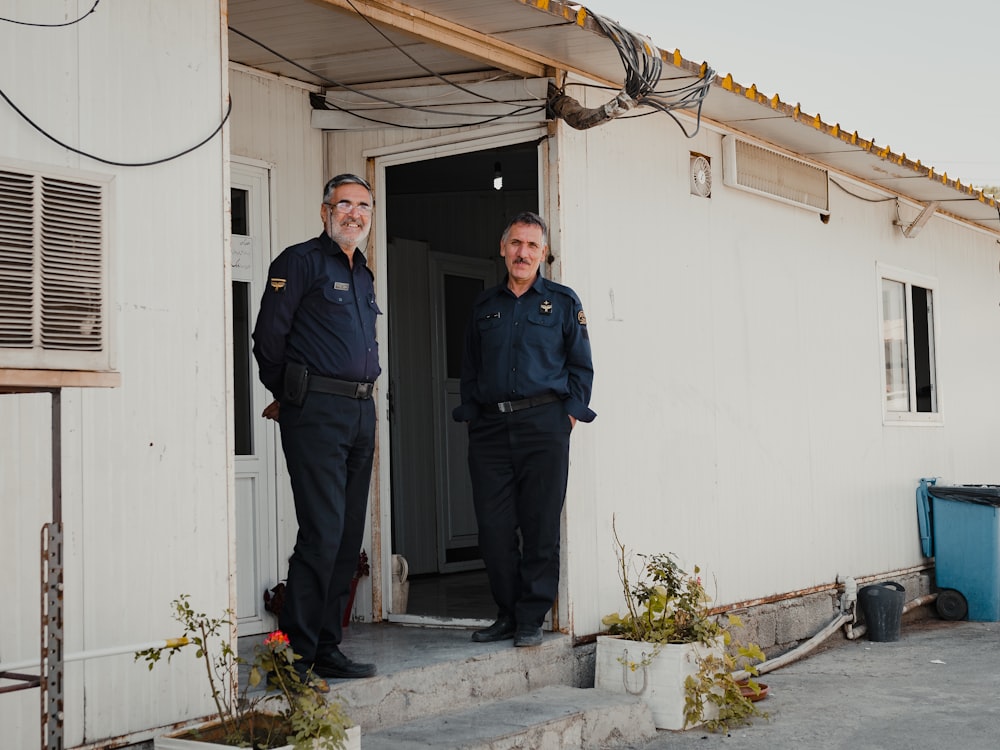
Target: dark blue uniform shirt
532 345
317 311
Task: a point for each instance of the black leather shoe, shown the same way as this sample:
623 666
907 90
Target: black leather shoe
334 664
501 630
528 637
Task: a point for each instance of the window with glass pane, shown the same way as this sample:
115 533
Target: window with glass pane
242 425
242 375
908 341
459 294
240 200
897 388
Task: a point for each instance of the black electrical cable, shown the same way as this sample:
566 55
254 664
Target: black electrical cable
862 198
53 25
643 68
66 146
388 123
523 109
420 65
580 84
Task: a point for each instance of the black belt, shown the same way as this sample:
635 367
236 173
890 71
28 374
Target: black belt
506 407
340 387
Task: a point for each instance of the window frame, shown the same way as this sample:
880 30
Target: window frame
910 279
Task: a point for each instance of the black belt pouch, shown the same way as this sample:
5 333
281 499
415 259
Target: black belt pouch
296 383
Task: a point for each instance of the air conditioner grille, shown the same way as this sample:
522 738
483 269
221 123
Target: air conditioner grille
53 272
16 259
71 266
761 170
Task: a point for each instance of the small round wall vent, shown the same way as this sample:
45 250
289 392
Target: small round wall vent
701 176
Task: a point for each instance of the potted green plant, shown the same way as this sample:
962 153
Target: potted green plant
290 712
672 651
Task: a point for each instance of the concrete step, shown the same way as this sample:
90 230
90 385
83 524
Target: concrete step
425 672
557 717
437 689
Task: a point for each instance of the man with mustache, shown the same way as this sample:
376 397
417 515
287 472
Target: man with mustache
526 380
315 345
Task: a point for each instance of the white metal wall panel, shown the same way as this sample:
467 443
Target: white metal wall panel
25 505
146 490
738 373
271 126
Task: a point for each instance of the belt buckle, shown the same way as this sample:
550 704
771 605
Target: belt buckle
505 407
363 390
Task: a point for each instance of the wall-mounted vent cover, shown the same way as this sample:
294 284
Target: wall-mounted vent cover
756 169
701 176
54 302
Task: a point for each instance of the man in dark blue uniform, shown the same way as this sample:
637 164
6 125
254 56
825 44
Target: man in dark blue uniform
315 344
526 380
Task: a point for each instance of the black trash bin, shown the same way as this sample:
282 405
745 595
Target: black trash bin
882 607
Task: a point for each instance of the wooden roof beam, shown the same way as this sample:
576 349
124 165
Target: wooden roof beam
431 29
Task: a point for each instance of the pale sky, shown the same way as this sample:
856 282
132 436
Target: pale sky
919 76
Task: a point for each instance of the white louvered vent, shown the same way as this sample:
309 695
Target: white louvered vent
54 305
756 169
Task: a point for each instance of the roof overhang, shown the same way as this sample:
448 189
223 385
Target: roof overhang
351 47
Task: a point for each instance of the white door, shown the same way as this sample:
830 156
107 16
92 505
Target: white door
256 505
456 281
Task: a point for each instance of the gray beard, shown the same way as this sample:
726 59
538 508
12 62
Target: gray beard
345 244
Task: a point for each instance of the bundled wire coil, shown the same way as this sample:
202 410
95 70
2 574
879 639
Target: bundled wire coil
643 65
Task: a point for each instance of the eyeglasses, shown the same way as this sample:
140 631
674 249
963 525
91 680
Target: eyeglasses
345 207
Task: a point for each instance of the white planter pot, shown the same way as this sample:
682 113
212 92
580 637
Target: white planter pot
176 743
657 680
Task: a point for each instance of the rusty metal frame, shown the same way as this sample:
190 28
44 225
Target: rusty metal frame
51 600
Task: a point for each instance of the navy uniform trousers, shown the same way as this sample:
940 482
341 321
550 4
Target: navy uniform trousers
329 444
519 463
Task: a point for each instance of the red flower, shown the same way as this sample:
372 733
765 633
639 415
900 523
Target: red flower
277 638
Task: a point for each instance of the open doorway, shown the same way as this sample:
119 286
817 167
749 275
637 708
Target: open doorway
444 218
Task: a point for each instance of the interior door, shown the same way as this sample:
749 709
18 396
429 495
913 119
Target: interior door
256 505
411 408
455 283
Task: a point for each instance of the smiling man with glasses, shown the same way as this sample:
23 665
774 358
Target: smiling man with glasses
346 207
315 345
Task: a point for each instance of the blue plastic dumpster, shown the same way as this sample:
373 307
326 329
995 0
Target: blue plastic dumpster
960 529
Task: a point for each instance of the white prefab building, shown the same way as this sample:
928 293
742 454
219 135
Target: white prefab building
789 322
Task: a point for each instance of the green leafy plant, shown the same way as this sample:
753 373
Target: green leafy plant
666 604
305 718
719 682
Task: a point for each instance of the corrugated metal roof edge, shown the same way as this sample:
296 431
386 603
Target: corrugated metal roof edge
582 17
835 131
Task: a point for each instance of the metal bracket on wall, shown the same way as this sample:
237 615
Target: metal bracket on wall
52 636
913 228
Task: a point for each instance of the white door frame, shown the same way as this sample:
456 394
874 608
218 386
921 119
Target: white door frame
254 472
381 158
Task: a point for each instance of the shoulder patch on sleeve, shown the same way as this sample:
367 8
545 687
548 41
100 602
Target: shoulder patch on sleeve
581 318
278 285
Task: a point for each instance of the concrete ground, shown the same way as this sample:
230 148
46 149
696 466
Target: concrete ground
936 687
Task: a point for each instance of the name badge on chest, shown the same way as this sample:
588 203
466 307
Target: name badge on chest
341 286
